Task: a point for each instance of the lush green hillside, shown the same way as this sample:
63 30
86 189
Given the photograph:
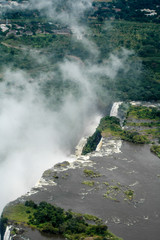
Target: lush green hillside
142 80
32 30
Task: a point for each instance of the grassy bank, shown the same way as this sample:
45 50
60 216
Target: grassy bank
54 220
156 150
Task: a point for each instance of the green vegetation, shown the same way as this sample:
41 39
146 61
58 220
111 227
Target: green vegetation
92 218
141 82
88 217
115 191
131 29
131 10
19 213
151 133
129 194
106 183
125 26
92 142
145 120
50 219
143 126
156 149
112 192
142 112
134 137
109 126
47 173
3 224
88 183
90 173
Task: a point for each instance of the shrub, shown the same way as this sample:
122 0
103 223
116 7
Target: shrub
92 142
156 149
31 204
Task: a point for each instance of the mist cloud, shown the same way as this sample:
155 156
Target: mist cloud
68 13
33 136
34 133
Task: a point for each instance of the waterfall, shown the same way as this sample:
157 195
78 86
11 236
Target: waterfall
113 113
7 233
114 109
89 131
79 147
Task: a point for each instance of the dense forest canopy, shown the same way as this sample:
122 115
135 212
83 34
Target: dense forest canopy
112 25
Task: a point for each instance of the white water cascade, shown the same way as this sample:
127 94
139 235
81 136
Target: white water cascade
104 148
7 233
114 109
89 132
107 147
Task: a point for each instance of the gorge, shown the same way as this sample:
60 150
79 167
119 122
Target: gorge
79 119
117 169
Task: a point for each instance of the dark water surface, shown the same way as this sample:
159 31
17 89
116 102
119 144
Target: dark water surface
134 168
36 235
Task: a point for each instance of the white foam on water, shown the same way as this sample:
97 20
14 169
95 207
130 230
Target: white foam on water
42 182
134 184
113 168
7 233
98 148
108 147
114 110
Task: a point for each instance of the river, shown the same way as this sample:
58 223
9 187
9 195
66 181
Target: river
121 164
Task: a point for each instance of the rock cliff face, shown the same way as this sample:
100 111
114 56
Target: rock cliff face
119 182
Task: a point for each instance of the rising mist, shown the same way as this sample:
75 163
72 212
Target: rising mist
39 124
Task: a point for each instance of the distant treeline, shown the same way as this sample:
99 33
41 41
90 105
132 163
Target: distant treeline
130 10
